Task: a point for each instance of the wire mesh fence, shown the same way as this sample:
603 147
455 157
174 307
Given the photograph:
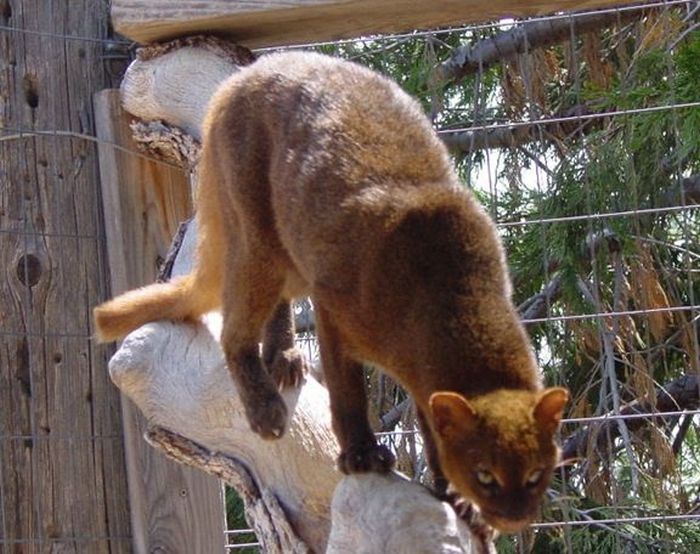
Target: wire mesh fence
586 151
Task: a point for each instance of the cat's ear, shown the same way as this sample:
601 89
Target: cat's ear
550 407
451 413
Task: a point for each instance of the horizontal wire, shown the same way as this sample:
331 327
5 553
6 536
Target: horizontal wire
641 519
612 314
617 417
66 539
49 437
49 335
570 118
503 224
107 41
604 215
21 134
480 26
39 234
592 419
574 317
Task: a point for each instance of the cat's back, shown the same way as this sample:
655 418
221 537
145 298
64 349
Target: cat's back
332 116
327 141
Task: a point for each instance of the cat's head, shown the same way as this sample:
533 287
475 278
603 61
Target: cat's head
498 450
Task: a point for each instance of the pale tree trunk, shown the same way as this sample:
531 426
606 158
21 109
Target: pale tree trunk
176 374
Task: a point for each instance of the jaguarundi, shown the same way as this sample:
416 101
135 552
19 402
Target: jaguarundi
320 177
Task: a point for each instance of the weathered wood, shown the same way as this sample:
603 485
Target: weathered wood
173 508
279 22
262 508
62 473
173 82
176 375
378 513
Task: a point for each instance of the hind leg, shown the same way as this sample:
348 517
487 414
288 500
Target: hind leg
285 363
253 288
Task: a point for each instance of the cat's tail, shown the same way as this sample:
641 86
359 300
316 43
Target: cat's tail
183 298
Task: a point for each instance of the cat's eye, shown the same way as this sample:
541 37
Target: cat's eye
534 477
486 478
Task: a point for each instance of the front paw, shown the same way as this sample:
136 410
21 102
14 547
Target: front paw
267 415
482 532
366 457
288 368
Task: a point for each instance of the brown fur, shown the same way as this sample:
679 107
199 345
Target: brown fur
320 177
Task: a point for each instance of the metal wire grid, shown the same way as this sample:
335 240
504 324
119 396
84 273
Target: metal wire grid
27 233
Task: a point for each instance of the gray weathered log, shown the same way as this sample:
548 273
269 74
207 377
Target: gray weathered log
176 375
378 513
174 82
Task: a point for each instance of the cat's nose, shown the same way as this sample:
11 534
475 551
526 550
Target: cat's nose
507 522
516 510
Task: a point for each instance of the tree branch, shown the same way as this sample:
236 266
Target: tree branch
688 191
501 136
524 38
680 394
537 306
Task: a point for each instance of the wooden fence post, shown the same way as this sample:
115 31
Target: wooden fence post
173 508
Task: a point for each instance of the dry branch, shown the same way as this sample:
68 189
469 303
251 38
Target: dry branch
686 193
524 38
269 521
681 394
538 305
562 125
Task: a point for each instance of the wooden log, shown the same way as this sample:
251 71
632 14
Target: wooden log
273 23
174 82
173 508
378 513
176 375
62 472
